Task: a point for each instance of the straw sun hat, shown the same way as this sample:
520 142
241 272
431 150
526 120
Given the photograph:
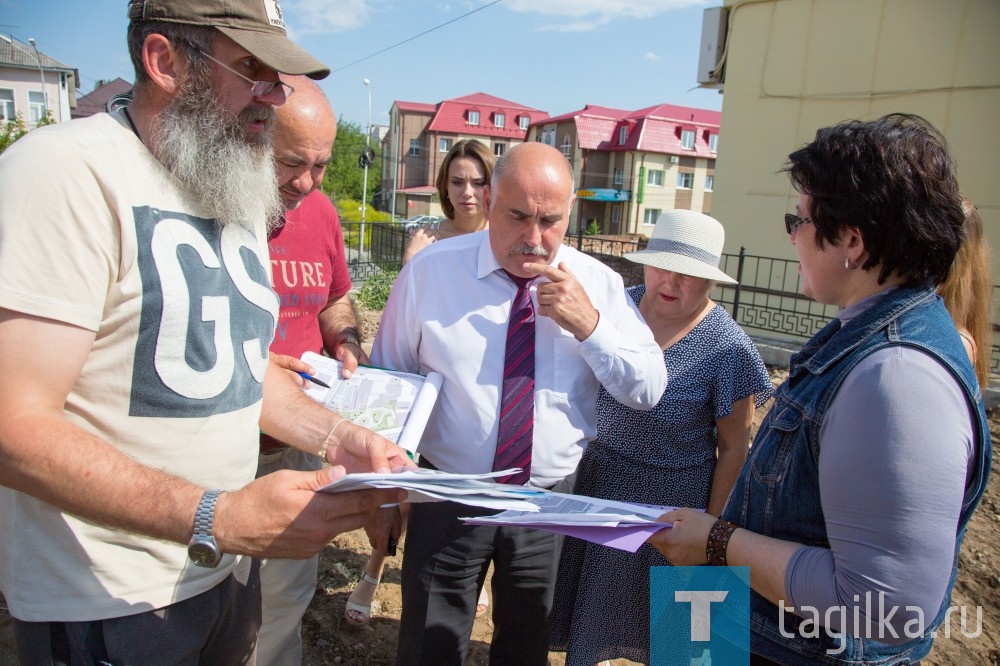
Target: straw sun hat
685 242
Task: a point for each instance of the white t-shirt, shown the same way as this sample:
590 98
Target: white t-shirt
94 232
448 312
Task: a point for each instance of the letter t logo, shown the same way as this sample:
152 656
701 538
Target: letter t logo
701 609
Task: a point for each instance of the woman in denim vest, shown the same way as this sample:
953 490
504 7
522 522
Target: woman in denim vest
852 505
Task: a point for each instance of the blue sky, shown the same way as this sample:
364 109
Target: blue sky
554 55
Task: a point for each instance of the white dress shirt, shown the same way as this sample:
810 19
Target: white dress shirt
448 312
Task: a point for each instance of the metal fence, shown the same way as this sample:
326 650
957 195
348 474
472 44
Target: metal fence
381 249
765 301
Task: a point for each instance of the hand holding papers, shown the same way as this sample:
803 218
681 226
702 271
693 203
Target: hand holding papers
394 404
427 485
620 525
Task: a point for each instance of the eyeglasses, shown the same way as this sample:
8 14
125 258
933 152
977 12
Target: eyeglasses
257 88
793 222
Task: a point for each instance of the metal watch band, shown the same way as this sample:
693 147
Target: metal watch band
205 515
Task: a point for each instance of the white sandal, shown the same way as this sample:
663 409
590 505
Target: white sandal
364 610
483 603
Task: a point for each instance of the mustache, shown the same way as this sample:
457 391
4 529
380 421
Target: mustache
529 250
256 112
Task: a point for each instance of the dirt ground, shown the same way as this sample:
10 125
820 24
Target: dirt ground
329 639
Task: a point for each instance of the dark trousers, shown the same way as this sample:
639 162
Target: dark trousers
445 564
218 626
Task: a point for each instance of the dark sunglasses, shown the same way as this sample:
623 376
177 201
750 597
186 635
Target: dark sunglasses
793 222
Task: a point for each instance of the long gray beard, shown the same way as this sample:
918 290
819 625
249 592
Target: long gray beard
207 150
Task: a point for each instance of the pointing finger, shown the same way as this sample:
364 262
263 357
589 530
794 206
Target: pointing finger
548 271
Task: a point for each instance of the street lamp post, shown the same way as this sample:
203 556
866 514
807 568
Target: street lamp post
41 76
364 189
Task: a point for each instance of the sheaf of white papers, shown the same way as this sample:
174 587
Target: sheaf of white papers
427 485
394 404
564 509
621 525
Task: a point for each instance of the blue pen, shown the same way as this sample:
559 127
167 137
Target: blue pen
307 376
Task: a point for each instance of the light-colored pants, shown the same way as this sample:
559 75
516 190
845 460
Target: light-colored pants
286 586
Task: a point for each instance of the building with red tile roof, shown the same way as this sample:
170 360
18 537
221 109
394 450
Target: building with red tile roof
632 165
421 134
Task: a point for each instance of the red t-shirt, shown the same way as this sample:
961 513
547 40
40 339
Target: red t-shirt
308 268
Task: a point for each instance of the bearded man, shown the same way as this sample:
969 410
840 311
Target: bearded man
135 318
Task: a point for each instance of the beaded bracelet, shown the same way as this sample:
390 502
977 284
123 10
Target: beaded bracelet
326 442
718 542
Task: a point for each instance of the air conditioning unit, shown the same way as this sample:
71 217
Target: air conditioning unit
674 159
714 23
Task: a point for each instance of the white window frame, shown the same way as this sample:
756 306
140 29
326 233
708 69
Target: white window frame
619 176
709 182
473 118
499 148
650 215
8 111
523 122
499 120
622 135
444 145
685 180
566 147
616 214
713 143
414 148
36 106
687 139
654 178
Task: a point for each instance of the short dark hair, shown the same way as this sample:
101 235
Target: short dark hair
191 39
472 149
893 180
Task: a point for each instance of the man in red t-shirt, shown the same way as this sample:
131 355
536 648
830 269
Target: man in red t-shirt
309 274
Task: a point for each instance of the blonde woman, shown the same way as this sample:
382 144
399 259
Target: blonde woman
464 174
967 293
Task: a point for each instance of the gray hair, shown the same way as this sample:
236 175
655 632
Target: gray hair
190 39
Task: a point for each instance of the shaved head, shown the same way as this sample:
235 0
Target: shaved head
303 140
306 113
528 205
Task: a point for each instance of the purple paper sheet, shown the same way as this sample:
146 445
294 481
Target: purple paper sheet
623 538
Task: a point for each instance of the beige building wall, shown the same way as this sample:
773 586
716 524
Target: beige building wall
794 66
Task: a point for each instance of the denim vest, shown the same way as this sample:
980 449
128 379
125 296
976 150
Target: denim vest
777 493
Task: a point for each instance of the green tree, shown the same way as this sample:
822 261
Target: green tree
47 119
344 176
11 131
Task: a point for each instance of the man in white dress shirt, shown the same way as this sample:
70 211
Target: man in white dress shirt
448 312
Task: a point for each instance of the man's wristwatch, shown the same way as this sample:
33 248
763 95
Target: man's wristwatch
203 549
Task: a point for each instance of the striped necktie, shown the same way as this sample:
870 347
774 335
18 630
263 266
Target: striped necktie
515 432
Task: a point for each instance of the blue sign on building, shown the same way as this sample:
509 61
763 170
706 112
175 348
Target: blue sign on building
699 615
604 194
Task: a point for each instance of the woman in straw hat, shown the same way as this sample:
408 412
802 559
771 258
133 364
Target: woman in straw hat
687 451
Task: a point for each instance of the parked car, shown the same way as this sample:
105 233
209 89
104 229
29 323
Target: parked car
417 221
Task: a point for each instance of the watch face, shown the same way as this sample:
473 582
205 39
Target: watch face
204 553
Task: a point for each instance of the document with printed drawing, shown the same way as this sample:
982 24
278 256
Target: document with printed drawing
394 404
